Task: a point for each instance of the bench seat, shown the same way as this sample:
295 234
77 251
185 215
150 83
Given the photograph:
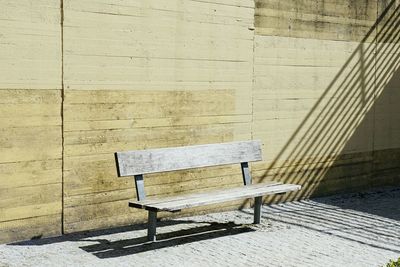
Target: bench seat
177 203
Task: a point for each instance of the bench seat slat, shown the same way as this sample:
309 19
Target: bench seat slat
212 198
152 201
189 201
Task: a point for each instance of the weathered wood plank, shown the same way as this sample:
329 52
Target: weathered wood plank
180 158
212 197
159 200
222 196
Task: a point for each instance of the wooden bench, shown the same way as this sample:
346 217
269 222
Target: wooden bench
140 162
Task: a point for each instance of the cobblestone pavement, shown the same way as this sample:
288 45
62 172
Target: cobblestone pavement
349 230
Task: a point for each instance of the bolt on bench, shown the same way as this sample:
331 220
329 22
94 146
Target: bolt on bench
140 162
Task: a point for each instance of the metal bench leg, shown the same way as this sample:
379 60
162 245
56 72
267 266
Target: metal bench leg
257 210
151 226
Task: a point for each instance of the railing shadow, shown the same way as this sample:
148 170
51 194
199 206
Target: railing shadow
348 217
343 117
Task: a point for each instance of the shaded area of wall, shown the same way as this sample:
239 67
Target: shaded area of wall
387 109
325 123
30 119
143 74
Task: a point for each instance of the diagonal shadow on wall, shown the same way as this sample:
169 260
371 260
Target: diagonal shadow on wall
352 131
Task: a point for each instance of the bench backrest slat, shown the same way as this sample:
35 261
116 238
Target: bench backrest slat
180 158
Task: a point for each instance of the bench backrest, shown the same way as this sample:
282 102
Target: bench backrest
180 158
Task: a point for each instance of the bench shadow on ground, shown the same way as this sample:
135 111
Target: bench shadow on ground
105 248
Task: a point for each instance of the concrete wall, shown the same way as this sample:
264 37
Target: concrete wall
30 121
144 74
326 83
316 81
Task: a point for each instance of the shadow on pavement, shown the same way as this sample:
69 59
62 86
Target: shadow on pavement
369 218
105 248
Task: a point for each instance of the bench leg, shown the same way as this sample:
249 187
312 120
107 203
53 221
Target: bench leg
257 210
151 226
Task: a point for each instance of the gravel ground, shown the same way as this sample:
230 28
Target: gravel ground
360 229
